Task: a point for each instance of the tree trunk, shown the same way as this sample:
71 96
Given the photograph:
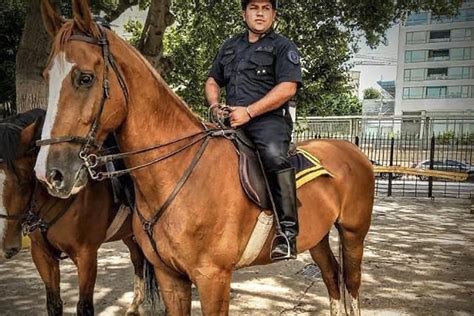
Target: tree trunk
31 88
151 43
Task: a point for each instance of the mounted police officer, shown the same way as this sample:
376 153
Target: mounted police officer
261 72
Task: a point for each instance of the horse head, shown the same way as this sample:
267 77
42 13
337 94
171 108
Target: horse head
17 181
87 97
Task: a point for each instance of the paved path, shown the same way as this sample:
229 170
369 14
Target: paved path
419 261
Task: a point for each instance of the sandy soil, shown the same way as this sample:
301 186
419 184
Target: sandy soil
419 260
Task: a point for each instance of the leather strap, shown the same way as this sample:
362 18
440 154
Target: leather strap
62 139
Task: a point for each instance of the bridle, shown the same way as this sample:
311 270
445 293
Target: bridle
90 140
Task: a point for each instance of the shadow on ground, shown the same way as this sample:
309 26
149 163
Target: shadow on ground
419 260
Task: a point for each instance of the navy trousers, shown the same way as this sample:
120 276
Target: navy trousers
271 134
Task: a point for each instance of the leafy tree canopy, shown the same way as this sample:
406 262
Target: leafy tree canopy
371 93
12 17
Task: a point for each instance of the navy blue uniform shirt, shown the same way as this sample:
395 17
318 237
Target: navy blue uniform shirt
250 70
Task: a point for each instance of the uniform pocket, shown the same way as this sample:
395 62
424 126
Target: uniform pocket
262 58
226 62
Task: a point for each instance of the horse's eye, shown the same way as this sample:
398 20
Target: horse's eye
86 80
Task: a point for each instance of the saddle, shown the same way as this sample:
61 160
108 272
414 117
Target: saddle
252 174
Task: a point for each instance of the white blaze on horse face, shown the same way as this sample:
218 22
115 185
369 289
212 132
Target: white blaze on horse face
58 72
3 211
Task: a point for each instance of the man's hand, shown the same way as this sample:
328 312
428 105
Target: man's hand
239 116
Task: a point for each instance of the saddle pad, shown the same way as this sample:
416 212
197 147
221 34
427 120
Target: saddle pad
307 167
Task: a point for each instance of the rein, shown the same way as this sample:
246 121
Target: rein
12 217
93 161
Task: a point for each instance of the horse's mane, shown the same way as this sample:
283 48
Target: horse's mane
10 131
160 79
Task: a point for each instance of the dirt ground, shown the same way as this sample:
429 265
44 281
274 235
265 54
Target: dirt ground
419 260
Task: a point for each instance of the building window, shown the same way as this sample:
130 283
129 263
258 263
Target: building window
413 93
464 15
415 56
440 36
414 74
460 53
416 37
435 92
438 54
459 73
440 19
461 34
440 92
437 73
417 19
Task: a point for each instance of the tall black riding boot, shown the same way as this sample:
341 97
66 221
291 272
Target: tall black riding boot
283 187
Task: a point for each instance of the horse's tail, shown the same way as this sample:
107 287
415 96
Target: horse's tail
152 288
342 282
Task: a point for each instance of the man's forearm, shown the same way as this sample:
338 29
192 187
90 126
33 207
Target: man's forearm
278 96
212 91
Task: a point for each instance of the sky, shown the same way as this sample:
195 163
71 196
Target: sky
371 74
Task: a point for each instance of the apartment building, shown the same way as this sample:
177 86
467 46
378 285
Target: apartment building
435 72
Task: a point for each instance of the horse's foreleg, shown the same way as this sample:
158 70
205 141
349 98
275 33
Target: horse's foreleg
214 290
48 268
352 250
137 257
324 257
86 263
176 292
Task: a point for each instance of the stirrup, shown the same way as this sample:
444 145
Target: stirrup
280 256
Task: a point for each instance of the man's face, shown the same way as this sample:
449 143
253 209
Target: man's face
259 16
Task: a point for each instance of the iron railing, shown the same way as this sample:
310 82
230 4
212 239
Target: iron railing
441 152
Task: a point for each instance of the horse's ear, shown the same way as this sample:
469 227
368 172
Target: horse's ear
51 19
82 16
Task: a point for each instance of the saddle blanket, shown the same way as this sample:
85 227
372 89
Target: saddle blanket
308 168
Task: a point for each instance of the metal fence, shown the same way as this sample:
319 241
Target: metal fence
420 126
446 151
6 109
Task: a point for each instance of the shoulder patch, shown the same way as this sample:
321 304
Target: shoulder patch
294 57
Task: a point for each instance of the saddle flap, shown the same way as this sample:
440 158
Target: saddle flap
251 174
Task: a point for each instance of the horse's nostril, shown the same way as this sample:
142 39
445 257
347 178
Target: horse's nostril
56 178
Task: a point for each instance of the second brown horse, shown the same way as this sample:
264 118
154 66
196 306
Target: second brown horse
77 226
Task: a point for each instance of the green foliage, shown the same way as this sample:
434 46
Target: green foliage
334 105
12 17
135 28
371 93
445 138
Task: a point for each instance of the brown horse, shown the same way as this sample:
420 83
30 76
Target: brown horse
101 84
76 226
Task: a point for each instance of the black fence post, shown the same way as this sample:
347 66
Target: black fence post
430 179
390 175
357 141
